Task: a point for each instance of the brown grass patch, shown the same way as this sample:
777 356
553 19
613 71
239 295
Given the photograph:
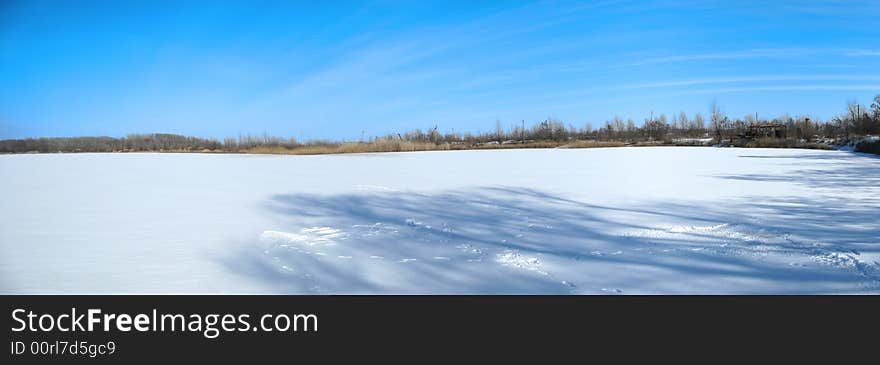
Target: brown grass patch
593 144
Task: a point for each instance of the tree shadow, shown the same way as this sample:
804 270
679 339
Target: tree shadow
838 170
835 156
499 239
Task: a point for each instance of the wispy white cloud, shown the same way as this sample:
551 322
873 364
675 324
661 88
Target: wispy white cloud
763 78
756 53
875 87
438 71
863 53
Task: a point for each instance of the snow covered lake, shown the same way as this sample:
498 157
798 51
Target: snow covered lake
588 221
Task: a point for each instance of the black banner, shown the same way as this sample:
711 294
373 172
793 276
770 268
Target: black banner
295 328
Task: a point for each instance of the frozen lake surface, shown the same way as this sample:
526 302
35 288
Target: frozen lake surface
588 221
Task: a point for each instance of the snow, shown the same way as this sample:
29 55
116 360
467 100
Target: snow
640 220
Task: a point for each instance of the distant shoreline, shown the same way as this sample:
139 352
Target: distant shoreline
365 148
859 127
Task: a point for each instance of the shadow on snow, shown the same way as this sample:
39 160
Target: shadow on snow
501 239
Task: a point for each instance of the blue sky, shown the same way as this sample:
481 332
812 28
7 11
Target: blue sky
334 69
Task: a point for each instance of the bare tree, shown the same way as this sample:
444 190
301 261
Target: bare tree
718 122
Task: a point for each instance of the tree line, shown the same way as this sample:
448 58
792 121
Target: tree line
679 129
